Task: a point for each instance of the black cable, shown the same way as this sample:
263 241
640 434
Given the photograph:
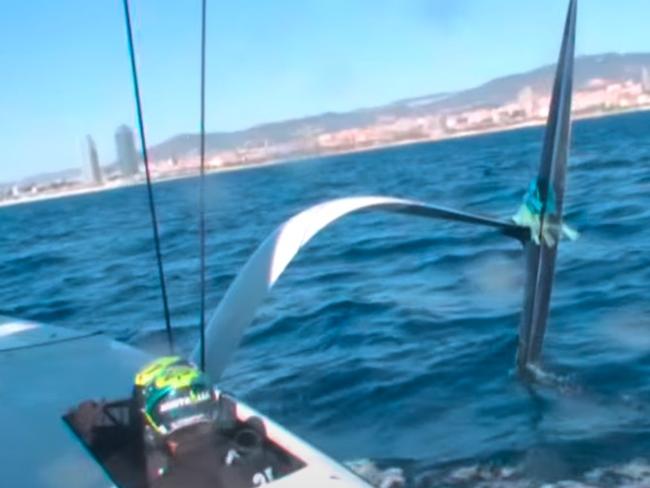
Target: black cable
202 188
145 156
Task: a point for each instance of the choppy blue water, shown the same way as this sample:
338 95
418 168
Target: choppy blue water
389 337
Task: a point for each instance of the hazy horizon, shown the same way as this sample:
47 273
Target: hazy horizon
265 63
150 144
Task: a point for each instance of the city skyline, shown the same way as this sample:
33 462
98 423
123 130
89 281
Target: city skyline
527 107
292 59
623 85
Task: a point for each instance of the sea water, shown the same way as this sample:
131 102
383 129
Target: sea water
389 338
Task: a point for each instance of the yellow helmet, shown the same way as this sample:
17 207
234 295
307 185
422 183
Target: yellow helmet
149 372
174 395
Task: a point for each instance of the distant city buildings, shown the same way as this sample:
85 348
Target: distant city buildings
127 155
645 79
598 96
93 170
527 105
526 100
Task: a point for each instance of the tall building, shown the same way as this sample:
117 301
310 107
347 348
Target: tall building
127 156
645 79
526 100
93 170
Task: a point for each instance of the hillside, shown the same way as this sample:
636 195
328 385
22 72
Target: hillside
613 67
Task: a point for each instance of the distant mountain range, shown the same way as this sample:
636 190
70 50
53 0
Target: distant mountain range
611 66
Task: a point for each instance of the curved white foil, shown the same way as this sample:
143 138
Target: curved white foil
238 306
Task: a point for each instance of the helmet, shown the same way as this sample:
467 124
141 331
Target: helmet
155 367
174 394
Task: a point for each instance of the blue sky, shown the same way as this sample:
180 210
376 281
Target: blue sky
65 73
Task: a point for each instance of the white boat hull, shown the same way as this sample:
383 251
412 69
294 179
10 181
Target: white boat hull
46 370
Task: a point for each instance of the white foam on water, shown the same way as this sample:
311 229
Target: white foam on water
632 474
13 328
381 478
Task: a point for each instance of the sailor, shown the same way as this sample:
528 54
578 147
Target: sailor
176 405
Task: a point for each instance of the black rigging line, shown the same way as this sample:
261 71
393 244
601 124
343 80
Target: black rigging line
202 187
145 157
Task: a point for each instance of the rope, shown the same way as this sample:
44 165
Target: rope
202 188
145 156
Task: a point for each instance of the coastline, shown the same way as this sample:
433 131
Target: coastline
405 142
